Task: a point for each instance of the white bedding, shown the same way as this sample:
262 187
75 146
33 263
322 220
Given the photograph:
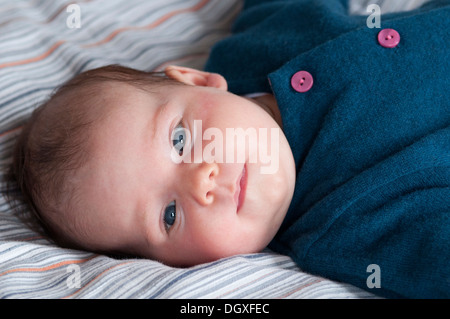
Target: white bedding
38 52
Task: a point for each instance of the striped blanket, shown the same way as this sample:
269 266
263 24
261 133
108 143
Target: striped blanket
43 43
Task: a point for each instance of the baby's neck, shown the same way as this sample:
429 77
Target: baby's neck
269 103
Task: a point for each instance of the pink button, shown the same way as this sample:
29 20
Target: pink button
388 38
302 81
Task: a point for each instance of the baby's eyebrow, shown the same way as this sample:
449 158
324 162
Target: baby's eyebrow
155 121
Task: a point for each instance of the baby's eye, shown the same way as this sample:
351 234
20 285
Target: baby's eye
179 138
170 214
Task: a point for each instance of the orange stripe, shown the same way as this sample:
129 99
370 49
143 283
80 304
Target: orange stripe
50 267
95 278
53 17
35 59
197 7
31 238
300 288
10 131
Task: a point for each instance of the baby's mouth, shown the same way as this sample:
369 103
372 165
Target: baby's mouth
241 186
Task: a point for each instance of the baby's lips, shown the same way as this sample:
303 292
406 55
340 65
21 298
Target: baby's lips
241 189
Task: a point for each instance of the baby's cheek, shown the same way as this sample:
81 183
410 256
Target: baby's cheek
213 243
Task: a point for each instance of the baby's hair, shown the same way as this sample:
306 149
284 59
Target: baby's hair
52 144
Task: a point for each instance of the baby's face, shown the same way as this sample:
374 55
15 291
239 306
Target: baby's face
143 194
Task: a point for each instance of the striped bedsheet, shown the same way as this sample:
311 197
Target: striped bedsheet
42 46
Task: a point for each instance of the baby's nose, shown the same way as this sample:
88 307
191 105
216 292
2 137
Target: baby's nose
202 181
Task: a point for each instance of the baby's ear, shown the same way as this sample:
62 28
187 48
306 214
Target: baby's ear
196 77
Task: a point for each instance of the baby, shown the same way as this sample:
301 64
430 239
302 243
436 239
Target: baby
193 166
119 160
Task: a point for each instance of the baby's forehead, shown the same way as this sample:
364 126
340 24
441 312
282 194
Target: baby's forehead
106 97
122 109
114 89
